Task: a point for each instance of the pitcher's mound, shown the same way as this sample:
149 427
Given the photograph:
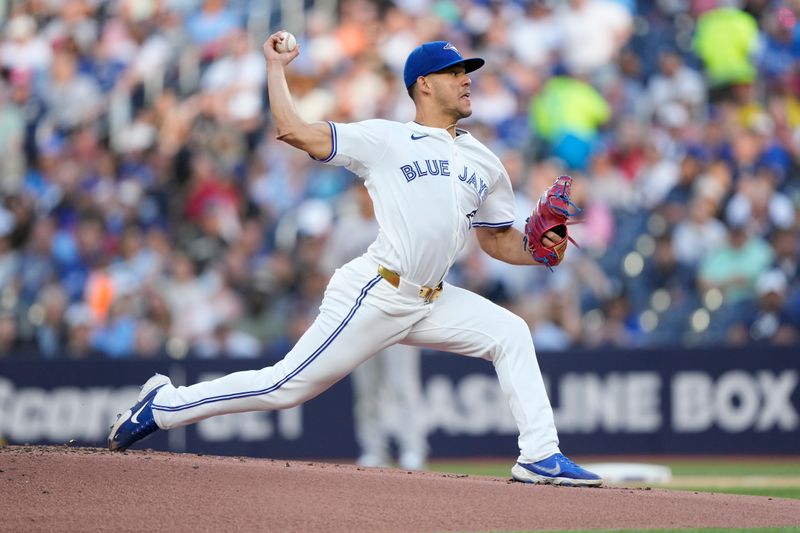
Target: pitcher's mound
88 489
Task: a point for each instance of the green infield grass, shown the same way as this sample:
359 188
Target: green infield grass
777 478
692 530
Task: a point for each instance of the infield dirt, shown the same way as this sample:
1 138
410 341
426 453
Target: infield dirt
89 489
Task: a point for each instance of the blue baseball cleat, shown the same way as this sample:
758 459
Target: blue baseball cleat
555 470
137 422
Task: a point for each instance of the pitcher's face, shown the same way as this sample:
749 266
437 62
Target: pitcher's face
451 90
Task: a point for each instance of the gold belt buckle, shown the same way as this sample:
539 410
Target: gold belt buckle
429 294
389 275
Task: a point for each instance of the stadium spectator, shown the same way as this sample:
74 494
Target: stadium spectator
79 334
24 51
786 246
133 141
534 37
73 99
209 27
758 202
566 115
695 237
591 34
656 177
769 322
552 323
9 257
494 102
778 58
10 340
676 83
235 81
12 142
618 325
734 265
73 22
36 267
48 317
674 206
608 184
726 40
116 335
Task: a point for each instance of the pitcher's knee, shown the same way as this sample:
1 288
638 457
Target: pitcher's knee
519 333
514 336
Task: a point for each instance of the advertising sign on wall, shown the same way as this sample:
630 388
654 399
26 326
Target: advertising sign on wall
632 402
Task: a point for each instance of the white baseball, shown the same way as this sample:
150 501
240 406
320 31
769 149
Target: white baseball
286 43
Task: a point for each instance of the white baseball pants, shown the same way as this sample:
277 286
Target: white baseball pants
361 314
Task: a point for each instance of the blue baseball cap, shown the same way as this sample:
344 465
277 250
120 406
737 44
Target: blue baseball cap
433 57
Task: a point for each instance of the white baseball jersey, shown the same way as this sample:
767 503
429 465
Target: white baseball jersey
428 189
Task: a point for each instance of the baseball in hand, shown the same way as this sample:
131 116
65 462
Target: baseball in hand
286 43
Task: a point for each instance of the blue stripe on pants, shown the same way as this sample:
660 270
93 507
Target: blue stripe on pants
295 372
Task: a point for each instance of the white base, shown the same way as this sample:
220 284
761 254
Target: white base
631 472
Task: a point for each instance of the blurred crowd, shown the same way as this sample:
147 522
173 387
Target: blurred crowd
148 210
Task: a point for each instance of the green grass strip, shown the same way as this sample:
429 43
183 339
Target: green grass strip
714 468
774 492
689 530
679 468
734 468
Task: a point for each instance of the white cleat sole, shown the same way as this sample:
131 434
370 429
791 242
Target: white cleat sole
156 381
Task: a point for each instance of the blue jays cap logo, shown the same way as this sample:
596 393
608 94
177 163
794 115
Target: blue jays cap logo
433 57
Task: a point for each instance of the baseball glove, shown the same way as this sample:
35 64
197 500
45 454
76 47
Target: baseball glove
554 212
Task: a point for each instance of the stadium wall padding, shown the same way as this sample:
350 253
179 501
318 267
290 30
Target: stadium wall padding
698 401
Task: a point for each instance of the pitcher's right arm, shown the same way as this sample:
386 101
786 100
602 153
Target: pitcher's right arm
313 138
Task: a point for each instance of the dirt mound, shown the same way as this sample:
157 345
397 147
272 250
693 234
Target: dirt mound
88 489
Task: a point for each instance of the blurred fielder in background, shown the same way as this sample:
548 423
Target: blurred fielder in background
387 389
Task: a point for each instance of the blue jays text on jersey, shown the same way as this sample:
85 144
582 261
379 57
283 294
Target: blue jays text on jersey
436 167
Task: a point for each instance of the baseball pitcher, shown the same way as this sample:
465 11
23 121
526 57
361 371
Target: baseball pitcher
431 183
